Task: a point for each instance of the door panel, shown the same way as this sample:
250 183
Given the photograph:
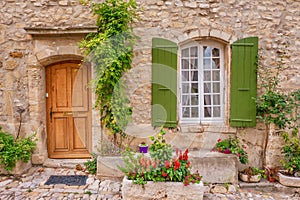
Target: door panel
68 111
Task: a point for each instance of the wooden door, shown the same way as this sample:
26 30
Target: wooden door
68 111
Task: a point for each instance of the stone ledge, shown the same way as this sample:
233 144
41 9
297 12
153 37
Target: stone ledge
60 30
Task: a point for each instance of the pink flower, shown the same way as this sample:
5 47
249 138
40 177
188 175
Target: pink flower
219 140
164 174
168 164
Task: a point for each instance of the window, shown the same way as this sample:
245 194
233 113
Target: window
201 82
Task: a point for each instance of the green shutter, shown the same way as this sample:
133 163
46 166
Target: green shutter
243 82
164 83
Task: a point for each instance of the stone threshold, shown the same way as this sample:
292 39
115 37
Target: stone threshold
63 163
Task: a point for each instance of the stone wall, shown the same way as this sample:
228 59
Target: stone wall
23 56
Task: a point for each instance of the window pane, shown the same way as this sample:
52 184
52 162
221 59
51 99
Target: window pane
216 88
185 76
207 76
185 52
216 75
215 52
217 112
207 100
194 75
194 51
194 63
206 64
206 51
216 63
195 88
195 112
194 99
185 88
185 64
185 100
217 100
207 112
186 112
207 88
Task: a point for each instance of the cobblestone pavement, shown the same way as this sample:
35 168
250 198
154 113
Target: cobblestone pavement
31 186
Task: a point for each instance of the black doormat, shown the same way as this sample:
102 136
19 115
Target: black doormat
67 180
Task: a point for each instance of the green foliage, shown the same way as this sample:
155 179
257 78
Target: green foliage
159 149
12 150
252 171
111 51
232 146
91 165
291 151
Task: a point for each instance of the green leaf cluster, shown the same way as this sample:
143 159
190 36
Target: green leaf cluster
91 165
111 52
291 151
160 149
12 150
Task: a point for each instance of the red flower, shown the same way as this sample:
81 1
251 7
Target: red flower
168 164
239 155
176 164
227 151
164 174
185 155
188 164
180 155
219 140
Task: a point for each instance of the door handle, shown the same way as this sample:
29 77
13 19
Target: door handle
51 114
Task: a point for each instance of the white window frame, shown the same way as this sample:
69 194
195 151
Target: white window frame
201 117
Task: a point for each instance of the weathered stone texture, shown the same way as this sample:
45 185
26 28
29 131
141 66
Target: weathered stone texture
23 57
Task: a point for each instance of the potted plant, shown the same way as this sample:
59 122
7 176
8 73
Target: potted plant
252 175
291 162
232 146
143 147
160 174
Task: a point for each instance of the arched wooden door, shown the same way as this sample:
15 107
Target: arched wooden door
68 110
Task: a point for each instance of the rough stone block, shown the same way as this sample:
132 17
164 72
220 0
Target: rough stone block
162 190
20 168
107 168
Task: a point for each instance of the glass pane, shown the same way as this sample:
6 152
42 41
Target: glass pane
207 112
206 51
186 112
194 51
207 88
207 76
185 64
195 112
216 63
217 100
185 88
215 52
194 75
216 88
216 76
194 99
185 52
185 100
194 63
206 64
207 100
185 76
195 88
217 112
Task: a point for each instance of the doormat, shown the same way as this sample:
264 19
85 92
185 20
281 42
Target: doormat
67 180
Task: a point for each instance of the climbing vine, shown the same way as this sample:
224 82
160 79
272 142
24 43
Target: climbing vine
111 52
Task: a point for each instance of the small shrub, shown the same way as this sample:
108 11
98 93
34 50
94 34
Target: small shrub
12 150
91 165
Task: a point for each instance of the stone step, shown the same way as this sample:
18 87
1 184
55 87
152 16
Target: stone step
213 166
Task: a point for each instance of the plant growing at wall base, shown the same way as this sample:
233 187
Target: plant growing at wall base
111 52
12 150
91 165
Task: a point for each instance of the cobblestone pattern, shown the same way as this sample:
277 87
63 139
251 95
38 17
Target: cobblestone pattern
31 186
